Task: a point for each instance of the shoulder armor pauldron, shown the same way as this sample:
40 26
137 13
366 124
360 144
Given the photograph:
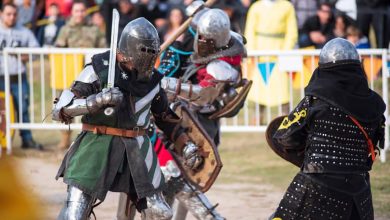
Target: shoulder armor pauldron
222 71
87 75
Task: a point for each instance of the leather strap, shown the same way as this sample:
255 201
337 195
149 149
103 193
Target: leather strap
96 129
369 141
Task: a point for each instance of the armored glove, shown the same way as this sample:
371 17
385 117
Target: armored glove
107 97
191 156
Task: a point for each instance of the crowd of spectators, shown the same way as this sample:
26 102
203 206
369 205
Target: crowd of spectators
317 20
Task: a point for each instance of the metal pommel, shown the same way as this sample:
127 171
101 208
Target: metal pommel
338 49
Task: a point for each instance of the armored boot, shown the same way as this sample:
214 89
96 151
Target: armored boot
126 211
157 209
78 205
197 203
65 140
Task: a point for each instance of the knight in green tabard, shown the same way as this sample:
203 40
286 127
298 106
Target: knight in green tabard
113 153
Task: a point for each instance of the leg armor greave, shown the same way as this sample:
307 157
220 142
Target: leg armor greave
157 209
78 205
197 203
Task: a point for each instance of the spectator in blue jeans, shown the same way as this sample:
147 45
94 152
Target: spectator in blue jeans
12 35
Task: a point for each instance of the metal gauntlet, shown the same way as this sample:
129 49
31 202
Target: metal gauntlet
177 88
105 98
68 106
194 93
191 156
189 151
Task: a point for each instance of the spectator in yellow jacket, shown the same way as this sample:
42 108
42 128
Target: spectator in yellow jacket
270 25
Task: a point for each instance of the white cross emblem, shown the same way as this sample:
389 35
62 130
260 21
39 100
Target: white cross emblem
124 76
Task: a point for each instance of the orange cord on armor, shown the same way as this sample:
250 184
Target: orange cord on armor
369 141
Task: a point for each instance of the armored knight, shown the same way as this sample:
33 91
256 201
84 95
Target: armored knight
174 63
332 135
208 87
210 82
113 152
176 58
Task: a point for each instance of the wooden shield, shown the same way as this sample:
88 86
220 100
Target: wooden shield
294 156
233 107
204 177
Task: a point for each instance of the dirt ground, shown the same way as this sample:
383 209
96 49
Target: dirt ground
236 201
249 187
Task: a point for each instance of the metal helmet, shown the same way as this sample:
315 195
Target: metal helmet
196 18
338 49
139 43
213 32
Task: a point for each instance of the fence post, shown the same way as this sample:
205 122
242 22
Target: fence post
385 75
7 102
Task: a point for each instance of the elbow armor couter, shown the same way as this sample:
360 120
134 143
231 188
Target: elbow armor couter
68 107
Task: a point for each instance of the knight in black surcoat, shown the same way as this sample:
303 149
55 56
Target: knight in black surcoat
333 136
113 152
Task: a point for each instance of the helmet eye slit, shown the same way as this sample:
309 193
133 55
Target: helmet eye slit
149 50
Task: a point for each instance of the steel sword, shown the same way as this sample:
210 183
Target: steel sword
111 66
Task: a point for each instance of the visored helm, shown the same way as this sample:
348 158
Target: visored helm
213 32
338 49
139 43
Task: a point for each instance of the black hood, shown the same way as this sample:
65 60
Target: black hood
344 85
126 80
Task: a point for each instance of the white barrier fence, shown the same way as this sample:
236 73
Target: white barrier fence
46 68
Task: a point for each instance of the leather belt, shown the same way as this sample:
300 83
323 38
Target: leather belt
270 35
96 129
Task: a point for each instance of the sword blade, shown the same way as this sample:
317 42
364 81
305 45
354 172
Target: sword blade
114 44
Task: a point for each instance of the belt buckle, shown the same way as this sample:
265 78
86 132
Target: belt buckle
136 129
